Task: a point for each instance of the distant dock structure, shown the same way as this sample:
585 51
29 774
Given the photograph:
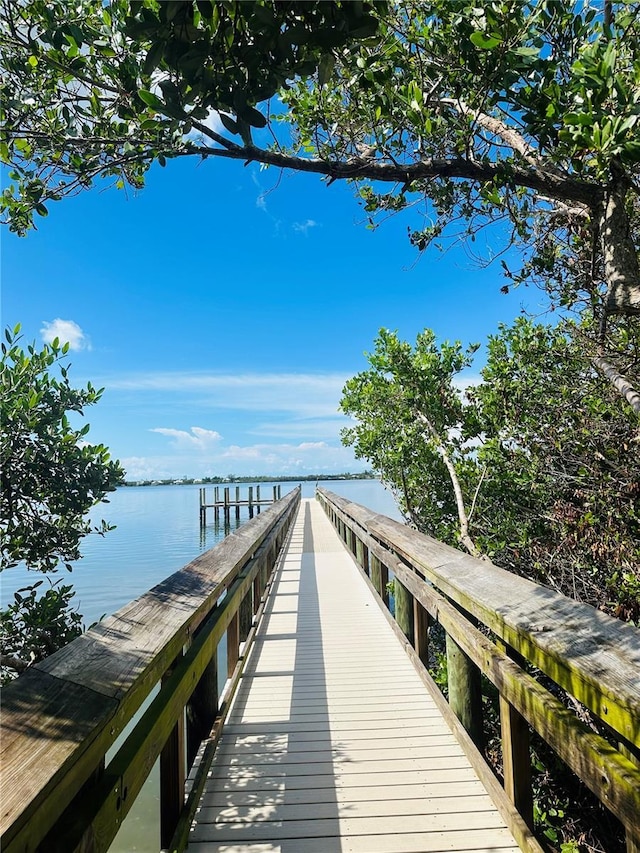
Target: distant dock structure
252 500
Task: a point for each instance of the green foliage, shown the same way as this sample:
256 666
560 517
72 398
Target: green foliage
106 90
546 457
33 626
519 115
407 408
564 470
51 476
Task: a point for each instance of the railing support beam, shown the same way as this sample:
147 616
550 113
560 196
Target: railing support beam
202 709
404 610
172 779
465 693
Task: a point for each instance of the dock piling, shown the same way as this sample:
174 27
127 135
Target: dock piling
253 501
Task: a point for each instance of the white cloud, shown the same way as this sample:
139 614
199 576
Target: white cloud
303 227
67 331
198 439
148 468
299 428
275 459
211 122
295 394
305 457
466 380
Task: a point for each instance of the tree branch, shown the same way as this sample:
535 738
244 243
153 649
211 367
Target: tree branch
407 500
14 663
547 183
463 518
621 268
508 134
555 186
619 382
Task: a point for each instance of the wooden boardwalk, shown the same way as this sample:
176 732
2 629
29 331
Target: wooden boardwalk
333 743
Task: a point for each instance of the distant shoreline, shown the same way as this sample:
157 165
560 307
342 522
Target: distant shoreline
218 481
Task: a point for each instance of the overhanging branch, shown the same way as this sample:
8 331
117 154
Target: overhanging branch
550 184
618 381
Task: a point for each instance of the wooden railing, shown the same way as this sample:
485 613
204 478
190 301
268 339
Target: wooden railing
62 715
525 639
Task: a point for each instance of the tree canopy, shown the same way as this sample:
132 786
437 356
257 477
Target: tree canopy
94 90
51 476
520 115
536 466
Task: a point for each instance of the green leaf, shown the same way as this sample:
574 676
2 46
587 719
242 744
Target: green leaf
229 123
151 100
485 42
252 116
583 119
154 57
325 68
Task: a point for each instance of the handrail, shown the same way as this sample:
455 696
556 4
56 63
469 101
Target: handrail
61 716
501 625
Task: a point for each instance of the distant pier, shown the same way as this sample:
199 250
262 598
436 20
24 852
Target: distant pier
225 503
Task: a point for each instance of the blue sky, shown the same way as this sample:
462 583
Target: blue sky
223 307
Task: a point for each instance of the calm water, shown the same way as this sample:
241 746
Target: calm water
158 532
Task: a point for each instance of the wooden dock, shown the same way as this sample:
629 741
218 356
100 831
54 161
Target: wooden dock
227 501
330 735
332 742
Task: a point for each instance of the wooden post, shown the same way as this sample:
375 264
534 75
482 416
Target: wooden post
516 754
275 494
404 610
203 508
279 491
258 584
250 501
516 760
226 504
202 708
238 502
246 615
376 567
257 595
258 499
233 644
632 833
465 694
421 632
384 583
216 502
360 552
172 779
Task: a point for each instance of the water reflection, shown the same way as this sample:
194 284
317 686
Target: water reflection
213 532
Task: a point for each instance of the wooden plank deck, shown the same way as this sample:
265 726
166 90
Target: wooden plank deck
332 743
